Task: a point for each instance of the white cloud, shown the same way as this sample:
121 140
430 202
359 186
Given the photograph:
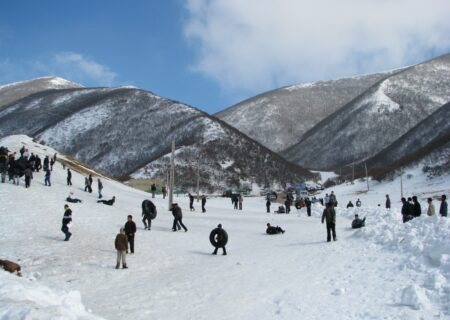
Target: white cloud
69 65
79 68
254 45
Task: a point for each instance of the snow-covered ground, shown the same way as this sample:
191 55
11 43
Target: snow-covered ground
387 270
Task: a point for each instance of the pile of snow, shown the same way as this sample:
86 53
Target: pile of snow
26 299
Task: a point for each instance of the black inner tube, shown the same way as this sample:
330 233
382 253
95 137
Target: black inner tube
218 238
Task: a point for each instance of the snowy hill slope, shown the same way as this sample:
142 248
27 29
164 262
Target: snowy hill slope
120 130
377 118
18 90
425 137
279 118
386 271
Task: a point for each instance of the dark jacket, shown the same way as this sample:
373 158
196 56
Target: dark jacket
329 215
388 203
130 228
358 223
443 208
177 213
121 242
406 209
67 217
417 209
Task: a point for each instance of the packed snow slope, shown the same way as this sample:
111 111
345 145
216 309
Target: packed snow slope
279 118
18 90
120 130
377 118
387 270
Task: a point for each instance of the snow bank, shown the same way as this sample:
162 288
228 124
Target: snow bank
24 299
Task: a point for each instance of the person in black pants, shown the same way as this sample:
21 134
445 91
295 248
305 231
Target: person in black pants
330 216
268 203
203 203
109 202
177 218
308 206
219 238
191 202
69 177
65 222
130 230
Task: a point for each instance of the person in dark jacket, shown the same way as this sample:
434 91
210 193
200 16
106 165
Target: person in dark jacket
358 203
308 206
350 204
287 204
37 163
329 215
100 188
71 199
407 212
108 202
121 245
90 180
268 203
164 191
416 206
203 203
219 238
273 230
388 202
52 162
46 163
69 177
67 218
443 209
191 202
47 177
148 213
177 218
86 183
28 176
358 223
130 230
153 189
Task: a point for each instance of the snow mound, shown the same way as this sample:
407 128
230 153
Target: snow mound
23 299
415 297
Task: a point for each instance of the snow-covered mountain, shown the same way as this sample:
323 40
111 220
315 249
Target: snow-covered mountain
120 131
17 90
430 139
279 118
377 118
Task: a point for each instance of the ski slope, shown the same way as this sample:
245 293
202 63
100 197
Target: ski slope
385 271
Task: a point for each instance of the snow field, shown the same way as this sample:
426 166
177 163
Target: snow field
384 271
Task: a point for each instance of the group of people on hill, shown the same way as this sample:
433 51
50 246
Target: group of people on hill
16 167
411 208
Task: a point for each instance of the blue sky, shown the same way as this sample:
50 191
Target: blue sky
212 54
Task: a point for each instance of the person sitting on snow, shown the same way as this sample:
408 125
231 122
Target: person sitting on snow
358 223
350 204
273 230
73 200
108 202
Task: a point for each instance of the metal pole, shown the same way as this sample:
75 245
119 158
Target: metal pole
367 176
198 181
172 175
353 173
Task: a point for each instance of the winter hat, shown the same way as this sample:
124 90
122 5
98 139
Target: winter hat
219 225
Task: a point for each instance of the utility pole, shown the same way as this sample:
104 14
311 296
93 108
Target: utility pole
172 175
401 183
198 180
367 176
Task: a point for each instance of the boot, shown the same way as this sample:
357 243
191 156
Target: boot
124 266
117 266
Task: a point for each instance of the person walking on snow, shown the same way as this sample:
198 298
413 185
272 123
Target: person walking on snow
153 189
177 218
100 188
443 209
191 202
69 177
130 231
47 178
268 203
203 203
90 180
67 219
329 215
388 202
431 210
121 244
416 205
